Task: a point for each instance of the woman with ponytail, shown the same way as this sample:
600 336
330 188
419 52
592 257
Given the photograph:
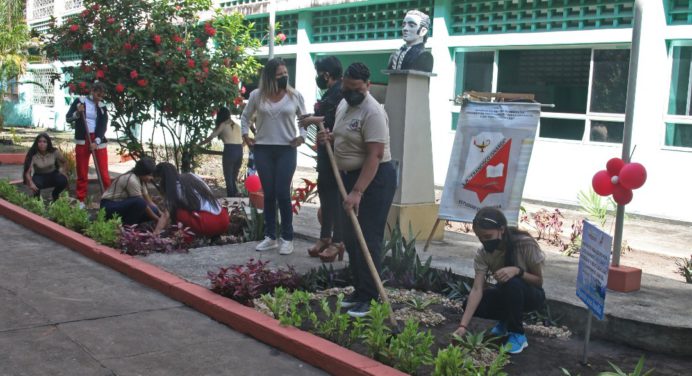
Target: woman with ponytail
190 202
515 260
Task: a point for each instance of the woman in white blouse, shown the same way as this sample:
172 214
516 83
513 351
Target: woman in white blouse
276 106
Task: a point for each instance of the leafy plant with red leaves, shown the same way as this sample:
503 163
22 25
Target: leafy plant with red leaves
243 283
138 241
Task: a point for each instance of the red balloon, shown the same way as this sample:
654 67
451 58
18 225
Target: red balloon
622 195
252 183
614 165
632 175
601 183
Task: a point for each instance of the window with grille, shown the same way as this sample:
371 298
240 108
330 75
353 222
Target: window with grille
366 22
42 8
585 109
507 16
679 118
678 12
43 95
40 27
72 4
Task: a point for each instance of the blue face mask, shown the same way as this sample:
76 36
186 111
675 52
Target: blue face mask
491 245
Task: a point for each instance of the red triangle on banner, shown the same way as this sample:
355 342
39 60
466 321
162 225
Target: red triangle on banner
484 183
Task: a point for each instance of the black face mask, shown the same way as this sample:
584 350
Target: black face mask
353 98
282 82
321 82
491 245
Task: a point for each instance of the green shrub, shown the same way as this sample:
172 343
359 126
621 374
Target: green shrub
449 362
33 204
104 231
64 213
411 348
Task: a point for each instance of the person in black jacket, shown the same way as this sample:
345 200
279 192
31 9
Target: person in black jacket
330 245
89 114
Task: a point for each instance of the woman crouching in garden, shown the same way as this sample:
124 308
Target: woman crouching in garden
190 202
128 196
516 262
47 165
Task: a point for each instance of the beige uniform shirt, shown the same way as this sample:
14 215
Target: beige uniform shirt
354 127
43 164
125 186
529 256
228 132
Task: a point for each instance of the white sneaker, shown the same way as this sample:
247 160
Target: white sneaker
286 247
266 245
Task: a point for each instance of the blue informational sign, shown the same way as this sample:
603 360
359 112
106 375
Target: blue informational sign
594 260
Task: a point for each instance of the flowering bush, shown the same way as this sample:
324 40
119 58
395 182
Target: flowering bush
160 65
303 194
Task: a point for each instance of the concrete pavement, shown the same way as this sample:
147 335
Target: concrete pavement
63 314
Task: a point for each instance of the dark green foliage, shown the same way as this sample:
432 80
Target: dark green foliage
71 216
411 348
325 277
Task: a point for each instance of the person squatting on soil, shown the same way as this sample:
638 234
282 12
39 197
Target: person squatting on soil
189 201
361 149
276 105
128 196
90 113
330 245
516 262
47 165
229 133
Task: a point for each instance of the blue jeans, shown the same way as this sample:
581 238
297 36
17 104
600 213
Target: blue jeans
232 159
275 166
372 217
131 210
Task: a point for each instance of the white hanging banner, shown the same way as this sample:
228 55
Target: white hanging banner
490 158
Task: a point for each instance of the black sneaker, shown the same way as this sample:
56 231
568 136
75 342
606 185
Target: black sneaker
359 310
350 300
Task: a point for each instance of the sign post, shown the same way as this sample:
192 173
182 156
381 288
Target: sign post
592 275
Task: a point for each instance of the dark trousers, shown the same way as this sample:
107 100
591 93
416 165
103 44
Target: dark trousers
508 301
372 216
131 210
275 167
330 200
232 159
54 180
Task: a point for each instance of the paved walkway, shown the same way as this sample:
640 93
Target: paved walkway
63 314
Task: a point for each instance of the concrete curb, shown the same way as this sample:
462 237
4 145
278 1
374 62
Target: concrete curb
12 158
312 349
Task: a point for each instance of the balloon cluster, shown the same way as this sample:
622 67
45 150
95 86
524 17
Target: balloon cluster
619 179
253 184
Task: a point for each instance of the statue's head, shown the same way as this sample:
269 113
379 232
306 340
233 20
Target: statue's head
415 27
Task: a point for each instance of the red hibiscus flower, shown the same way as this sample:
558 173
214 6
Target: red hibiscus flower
127 46
85 12
87 46
199 43
119 88
210 31
188 53
142 82
110 20
134 74
177 39
95 7
100 74
82 85
157 39
205 69
190 63
235 80
238 101
74 28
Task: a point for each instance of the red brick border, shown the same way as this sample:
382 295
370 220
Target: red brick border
12 158
312 349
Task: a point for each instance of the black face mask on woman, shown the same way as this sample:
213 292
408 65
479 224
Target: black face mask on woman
491 245
321 82
353 98
282 82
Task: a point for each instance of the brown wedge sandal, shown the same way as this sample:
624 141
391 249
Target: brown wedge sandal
332 252
320 246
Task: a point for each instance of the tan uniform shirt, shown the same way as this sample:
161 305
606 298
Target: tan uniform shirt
354 127
228 132
125 186
529 256
44 164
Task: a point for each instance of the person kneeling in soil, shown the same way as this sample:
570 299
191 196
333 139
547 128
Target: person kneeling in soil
47 165
191 202
128 196
516 262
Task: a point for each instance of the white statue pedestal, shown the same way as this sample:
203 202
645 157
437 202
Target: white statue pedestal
408 108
